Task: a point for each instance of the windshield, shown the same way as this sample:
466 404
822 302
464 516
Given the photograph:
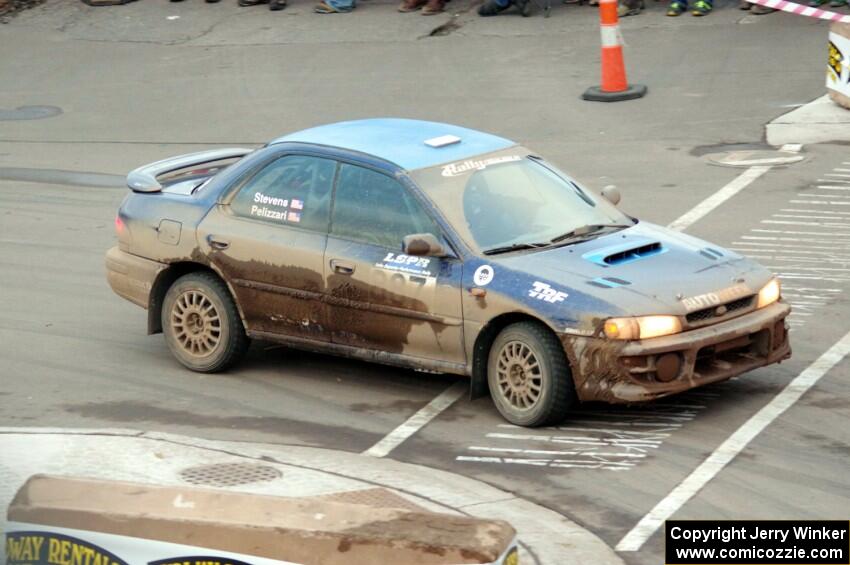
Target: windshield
512 198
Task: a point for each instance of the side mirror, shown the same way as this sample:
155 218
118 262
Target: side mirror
611 194
422 245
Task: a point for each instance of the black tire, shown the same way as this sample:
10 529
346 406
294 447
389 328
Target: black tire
201 324
523 354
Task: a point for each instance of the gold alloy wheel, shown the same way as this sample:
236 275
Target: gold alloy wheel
195 323
519 376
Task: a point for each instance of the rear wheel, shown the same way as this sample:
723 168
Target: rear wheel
201 324
529 377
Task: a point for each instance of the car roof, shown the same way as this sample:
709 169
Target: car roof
401 141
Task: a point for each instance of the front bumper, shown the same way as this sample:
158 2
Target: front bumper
131 276
629 371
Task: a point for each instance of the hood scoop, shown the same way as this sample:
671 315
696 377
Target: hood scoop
625 253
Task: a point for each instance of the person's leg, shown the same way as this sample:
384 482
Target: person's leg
630 8
411 5
493 7
702 7
433 7
760 10
677 7
334 6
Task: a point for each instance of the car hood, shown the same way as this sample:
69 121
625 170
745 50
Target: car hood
645 269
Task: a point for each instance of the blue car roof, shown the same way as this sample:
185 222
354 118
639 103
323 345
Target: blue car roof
401 141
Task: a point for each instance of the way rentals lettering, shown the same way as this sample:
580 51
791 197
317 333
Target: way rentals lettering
53 549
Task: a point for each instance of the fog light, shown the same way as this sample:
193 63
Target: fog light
667 367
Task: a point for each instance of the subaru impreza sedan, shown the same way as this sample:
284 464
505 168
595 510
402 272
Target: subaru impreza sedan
442 249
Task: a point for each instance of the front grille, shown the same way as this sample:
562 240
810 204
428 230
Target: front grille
709 313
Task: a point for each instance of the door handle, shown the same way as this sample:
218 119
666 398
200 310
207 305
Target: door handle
342 267
216 243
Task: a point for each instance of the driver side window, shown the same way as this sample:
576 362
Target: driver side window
374 208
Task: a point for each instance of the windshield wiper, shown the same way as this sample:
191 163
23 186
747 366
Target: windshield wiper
513 247
582 231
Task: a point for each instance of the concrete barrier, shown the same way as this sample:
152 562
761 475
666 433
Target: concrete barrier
838 67
65 521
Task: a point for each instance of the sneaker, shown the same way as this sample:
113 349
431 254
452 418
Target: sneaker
760 10
433 7
702 8
624 9
490 8
411 5
252 2
524 7
676 9
325 8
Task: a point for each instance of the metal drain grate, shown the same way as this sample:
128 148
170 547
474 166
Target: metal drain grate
229 474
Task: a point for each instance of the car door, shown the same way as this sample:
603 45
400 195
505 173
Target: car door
379 298
268 240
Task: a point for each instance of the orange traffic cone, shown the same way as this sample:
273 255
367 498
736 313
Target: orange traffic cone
614 84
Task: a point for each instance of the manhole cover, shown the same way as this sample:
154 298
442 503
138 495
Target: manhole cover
29 113
229 474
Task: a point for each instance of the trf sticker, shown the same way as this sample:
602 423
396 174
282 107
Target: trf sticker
542 291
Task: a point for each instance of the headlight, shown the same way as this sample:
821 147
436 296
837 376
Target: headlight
642 327
769 293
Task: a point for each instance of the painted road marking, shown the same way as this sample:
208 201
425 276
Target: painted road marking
618 439
703 208
418 420
733 445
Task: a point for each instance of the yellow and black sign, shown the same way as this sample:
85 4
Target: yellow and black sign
835 60
512 558
49 548
198 560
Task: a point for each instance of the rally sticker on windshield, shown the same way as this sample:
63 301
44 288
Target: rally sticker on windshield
455 169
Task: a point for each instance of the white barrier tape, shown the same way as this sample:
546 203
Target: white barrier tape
800 10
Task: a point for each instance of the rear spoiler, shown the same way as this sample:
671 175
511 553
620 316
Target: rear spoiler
145 179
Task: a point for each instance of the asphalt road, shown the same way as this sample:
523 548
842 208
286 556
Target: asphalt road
134 86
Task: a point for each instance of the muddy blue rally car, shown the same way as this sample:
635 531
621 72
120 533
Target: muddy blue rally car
437 248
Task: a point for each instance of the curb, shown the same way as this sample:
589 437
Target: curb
547 537
819 121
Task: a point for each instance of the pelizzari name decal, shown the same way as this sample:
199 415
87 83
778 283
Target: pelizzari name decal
544 292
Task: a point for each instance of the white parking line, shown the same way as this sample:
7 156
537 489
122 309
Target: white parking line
738 184
730 448
418 420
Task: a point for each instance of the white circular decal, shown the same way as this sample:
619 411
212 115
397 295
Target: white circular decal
483 275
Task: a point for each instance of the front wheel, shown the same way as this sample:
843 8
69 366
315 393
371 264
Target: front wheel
201 324
529 377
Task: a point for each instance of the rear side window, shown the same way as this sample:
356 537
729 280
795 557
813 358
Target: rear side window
376 209
294 190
